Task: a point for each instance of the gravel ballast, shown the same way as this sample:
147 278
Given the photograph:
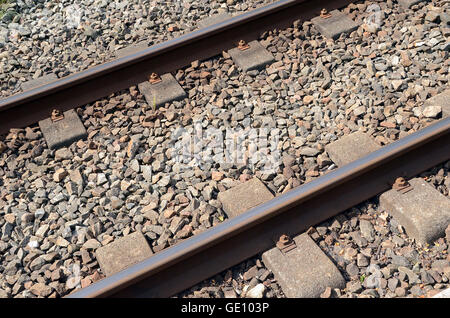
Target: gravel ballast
65 37
58 207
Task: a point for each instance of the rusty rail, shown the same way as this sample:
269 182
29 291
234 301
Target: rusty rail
92 84
231 242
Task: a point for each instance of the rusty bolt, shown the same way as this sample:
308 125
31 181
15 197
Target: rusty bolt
242 45
401 185
324 14
154 78
401 182
56 112
56 115
283 241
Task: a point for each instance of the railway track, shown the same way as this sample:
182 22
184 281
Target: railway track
176 268
171 270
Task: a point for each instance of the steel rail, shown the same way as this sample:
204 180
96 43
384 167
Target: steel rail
189 262
81 88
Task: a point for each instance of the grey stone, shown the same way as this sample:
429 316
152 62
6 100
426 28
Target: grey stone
441 100
445 18
58 198
426 278
48 78
131 49
361 260
432 111
373 280
371 293
373 268
101 179
398 240
91 244
412 277
166 91
123 253
256 292
354 287
309 152
424 212
254 58
367 230
89 32
399 260
400 291
396 84
304 271
350 148
216 18
393 283
37 263
63 154
335 25
243 197
3 294
42 231
147 173
440 264
352 270
176 224
73 282
63 132
3 246
358 239
135 165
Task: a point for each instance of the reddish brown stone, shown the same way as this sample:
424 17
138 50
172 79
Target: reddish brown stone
85 282
388 124
169 212
217 175
96 277
41 290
